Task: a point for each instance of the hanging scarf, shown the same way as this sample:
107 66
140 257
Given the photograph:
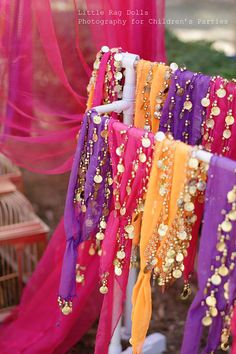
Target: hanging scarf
151 91
183 113
131 153
166 231
213 304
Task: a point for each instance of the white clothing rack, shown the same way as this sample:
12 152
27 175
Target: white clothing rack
155 343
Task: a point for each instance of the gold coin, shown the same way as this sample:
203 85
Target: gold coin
103 224
201 186
226 226
142 157
131 236
193 163
220 246
162 230
146 142
118 56
213 311
229 120
179 257
188 105
215 111
226 133
189 206
231 196
180 91
221 92
216 279
170 253
95 137
103 289
105 49
97 119
210 123
177 273
118 75
129 229
207 321
120 254
128 190
192 190
122 211
97 178
79 278
118 271
232 215
224 346
83 208
223 270
118 151
182 235
211 301
100 236
92 251
104 134
226 286
110 181
205 102
66 310
120 168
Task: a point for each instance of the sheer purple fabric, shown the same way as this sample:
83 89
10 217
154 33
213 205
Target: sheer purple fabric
183 121
85 204
221 169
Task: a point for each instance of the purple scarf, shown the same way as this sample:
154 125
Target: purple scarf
221 180
88 196
181 119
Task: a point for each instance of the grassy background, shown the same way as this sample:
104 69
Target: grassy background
199 56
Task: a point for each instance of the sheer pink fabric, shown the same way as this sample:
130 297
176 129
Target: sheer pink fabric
46 55
45 61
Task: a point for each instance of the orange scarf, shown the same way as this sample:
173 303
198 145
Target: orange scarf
159 209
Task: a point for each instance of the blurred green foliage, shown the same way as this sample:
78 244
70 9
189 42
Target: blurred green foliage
199 56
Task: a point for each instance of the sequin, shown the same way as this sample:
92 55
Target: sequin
129 229
213 311
179 257
189 207
182 235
